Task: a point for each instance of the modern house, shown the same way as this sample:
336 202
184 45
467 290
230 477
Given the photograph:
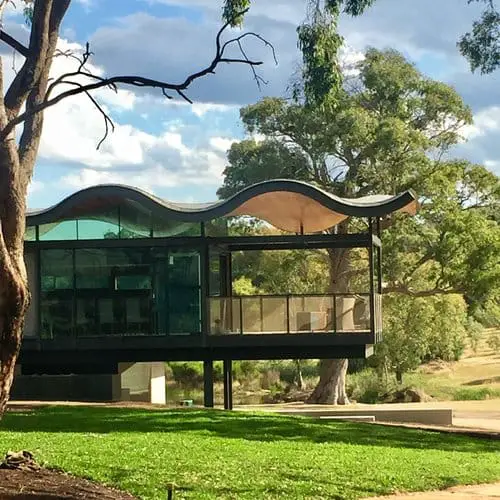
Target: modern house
123 281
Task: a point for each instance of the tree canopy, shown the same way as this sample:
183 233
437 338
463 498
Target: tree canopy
392 129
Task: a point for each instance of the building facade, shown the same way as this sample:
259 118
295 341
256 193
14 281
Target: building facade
120 277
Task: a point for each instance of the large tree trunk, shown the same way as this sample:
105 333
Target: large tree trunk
14 295
17 159
331 387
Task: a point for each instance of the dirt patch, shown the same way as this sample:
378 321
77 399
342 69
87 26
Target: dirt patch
47 484
436 366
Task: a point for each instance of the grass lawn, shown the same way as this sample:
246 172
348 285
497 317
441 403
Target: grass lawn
213 454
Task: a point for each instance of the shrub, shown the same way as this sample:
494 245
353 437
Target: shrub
474 332
367 387
187 374
475 393
270 378
493 341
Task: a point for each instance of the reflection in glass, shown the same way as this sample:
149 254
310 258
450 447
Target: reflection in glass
55 231
56 269
30 233
99 226
169 228
56 310
135 221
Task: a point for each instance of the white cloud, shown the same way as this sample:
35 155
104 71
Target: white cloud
201 108
221 144
74 127
35 186
487 120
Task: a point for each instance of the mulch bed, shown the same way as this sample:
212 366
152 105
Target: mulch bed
46 484
21 478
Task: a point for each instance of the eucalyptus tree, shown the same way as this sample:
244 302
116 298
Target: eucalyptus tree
390 129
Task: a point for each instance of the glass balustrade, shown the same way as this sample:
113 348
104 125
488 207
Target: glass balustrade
279 314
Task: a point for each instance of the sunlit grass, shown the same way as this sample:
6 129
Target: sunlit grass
215 454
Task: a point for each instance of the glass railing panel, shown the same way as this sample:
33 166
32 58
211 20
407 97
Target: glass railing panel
352 312
340 313
264 314
224 317
311 313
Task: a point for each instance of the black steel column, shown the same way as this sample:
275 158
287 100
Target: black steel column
371 265
228 384
208 383
205 288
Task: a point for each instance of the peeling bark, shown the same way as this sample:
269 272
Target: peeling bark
14 294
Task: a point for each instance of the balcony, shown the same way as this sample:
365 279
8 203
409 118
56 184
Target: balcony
294 314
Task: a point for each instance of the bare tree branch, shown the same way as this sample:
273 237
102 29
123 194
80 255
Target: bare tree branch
15 44
35 61
137 81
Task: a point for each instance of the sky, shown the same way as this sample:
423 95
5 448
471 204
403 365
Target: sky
177 150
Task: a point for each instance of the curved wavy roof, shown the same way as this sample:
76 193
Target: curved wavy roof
290 205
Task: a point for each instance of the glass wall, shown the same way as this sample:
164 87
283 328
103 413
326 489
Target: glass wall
127 220
119 291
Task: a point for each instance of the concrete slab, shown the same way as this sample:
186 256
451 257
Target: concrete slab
351 418
480 491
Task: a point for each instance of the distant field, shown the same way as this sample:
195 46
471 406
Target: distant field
475 376
219 455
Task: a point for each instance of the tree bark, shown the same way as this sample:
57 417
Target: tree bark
331 388
14 294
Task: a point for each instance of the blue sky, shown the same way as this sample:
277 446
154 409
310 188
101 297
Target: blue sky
178 151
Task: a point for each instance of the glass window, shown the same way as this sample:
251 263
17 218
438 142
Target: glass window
184 268
30 233
56 304
56 269
184 310
99 226
134 282
56 310
135 221
63 230
168 228
216 227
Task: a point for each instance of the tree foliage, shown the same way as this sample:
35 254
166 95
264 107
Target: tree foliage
420 329
392 129
481 46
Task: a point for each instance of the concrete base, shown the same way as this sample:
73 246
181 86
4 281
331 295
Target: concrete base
142 382
63 387
428 416
134 382
351 418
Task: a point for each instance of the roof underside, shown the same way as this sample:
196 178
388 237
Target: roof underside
286 204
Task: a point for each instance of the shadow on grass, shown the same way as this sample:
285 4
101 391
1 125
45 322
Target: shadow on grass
235 425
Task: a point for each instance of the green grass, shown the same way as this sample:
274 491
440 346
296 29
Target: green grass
475 393
215 454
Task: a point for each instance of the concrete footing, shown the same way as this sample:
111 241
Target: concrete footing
427 416
134 382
